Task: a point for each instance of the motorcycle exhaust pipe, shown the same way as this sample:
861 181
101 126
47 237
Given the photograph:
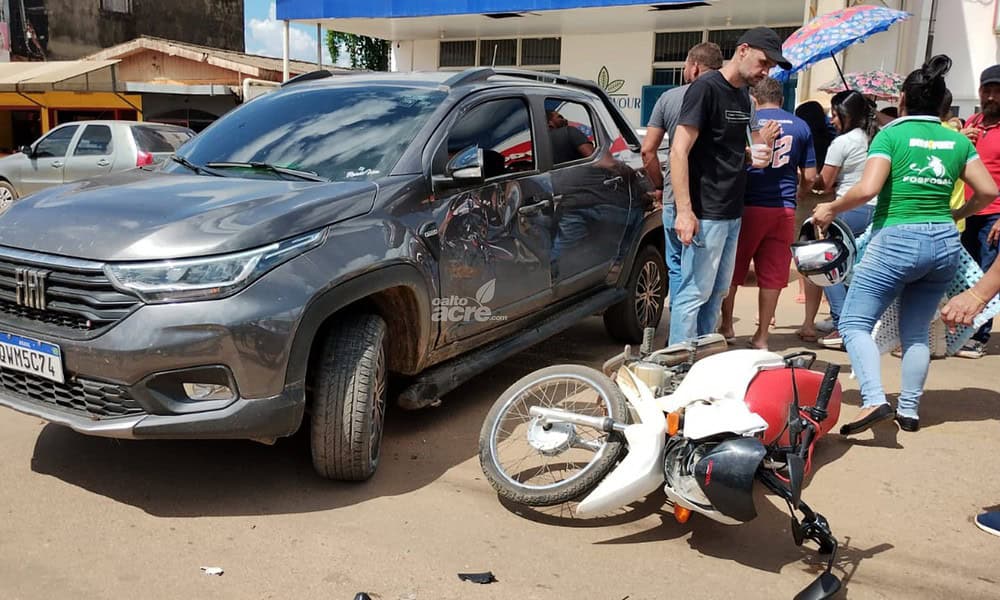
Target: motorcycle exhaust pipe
550 416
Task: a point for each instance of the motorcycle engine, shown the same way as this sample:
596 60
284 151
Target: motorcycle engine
680 457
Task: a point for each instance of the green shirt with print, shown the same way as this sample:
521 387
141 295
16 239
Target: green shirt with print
927 160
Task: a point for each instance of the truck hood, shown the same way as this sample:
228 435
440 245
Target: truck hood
143 215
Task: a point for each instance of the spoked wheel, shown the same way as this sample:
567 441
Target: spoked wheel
537 464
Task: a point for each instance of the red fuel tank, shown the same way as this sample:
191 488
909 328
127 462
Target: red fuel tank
770 396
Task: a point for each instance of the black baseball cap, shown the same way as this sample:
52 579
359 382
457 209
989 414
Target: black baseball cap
766 40
990 75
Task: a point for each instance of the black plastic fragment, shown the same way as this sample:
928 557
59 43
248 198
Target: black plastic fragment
482 578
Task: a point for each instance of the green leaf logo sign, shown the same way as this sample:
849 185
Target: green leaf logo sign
605 83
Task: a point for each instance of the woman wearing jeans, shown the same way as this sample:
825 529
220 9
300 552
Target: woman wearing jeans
854 118
913 165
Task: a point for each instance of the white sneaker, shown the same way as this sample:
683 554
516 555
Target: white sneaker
824 326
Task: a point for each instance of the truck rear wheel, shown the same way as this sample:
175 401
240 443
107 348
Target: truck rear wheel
349 399
647 294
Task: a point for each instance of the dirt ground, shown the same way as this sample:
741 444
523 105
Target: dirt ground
93 518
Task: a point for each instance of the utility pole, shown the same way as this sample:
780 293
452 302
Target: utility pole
5 30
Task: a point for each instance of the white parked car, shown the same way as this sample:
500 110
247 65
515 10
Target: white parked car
85 149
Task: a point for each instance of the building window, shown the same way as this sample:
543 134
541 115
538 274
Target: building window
784 32
498 52
117 6
458 54
674 46
726 39
668 76
541 54
541 51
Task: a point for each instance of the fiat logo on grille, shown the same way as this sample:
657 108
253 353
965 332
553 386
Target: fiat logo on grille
29 286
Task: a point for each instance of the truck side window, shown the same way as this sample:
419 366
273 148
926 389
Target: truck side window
571 130
502 128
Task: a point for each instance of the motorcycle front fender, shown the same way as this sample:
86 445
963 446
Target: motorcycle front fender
641 471
636 476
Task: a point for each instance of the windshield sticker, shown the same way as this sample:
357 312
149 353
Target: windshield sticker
362 172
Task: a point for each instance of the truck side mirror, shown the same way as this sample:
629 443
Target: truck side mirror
464 168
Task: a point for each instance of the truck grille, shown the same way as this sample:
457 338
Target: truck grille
78 297
94 399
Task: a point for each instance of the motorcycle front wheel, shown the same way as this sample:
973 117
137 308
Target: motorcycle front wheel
537 464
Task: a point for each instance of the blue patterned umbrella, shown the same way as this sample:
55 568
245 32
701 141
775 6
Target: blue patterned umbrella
828 34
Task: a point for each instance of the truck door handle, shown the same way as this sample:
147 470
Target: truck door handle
614 181
103 162
57 164
534 207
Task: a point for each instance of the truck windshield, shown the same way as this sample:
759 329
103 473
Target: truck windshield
348 133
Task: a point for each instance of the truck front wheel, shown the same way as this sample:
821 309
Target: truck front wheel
349 399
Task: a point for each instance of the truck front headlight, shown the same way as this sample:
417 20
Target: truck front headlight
209 278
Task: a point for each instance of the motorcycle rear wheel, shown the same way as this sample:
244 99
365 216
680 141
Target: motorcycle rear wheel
534 466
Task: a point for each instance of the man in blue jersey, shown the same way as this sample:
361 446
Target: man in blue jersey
769 214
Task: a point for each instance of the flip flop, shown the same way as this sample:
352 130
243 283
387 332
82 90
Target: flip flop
752 347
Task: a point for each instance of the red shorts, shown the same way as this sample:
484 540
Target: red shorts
766 236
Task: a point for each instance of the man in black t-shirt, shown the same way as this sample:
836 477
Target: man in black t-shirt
568 142
707 170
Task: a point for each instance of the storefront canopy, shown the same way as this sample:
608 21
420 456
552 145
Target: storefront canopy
69 75
397 9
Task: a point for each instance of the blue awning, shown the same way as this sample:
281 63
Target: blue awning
396 9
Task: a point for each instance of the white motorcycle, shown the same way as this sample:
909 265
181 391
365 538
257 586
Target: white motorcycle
702 422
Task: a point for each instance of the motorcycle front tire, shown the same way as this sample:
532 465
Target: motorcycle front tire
583 482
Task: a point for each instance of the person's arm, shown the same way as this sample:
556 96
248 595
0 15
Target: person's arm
585 149
650 156
685 223
826 179
984 189
876 172
807 175
963 308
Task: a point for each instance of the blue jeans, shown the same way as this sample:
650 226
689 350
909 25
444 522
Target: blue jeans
977 227
915 263
707 266
858 219
672 248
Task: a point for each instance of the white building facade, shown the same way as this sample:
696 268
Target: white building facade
633 49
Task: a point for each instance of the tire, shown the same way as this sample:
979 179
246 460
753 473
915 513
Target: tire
7 196
349 399
508 485
647 292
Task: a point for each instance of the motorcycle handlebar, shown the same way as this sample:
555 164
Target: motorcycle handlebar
826 390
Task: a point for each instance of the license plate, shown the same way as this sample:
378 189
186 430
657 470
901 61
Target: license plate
31 356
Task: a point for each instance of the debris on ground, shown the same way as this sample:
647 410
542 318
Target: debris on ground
212 570
482 578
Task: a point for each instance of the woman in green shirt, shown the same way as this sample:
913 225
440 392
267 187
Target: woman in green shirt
912 167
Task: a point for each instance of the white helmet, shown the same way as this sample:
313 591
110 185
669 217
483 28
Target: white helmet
827 261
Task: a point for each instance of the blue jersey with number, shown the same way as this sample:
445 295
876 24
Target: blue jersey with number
777 185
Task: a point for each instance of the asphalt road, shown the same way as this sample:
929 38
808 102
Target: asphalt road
93 518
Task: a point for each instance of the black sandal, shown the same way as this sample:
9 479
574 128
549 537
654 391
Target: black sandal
881 413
